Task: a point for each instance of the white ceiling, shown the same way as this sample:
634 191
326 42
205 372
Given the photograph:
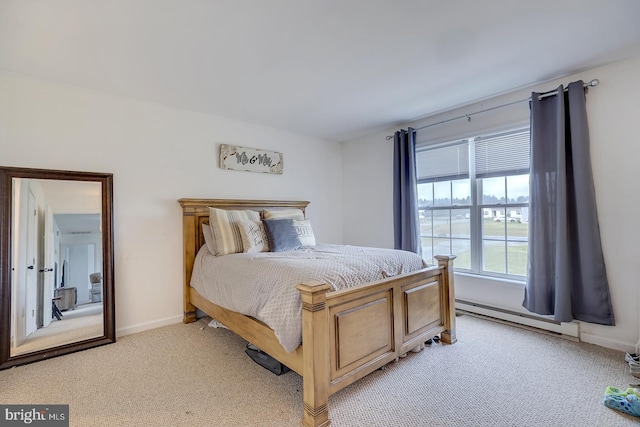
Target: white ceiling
78 223
334 69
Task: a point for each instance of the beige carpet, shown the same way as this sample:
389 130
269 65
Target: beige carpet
193 375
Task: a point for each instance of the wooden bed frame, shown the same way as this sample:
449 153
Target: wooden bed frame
346 334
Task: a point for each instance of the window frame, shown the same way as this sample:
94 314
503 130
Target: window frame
476 208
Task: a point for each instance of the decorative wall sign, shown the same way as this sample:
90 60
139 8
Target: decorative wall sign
250 159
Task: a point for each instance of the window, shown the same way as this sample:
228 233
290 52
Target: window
473 198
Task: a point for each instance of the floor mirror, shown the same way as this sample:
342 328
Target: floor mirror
56 263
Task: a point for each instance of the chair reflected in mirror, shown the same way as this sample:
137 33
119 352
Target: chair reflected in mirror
96 287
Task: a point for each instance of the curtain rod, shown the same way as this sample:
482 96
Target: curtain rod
592 83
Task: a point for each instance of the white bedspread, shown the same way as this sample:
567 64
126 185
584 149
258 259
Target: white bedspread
263 285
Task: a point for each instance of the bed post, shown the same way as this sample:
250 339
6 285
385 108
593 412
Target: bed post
189 224
449 298
315 354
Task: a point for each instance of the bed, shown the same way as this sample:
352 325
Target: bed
347 333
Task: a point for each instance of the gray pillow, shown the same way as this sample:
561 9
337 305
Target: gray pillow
282 235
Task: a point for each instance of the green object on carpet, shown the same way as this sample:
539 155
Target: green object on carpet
627 401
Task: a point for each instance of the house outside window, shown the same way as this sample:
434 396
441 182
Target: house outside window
473 198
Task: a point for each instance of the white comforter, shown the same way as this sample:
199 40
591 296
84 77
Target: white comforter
263 285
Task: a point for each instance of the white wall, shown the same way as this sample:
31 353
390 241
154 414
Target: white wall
78 271
614 112
158 154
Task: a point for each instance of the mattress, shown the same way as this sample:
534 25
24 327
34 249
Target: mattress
263 285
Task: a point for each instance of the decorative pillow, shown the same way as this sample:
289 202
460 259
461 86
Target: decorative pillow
305 232
254 236
282 235
283 213
208 238
224 224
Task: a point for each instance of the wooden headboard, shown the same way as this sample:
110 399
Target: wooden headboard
195 212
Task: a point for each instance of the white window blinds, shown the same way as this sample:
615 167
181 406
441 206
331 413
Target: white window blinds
443 163
502 154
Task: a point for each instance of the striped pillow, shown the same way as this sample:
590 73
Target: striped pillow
283 214
224 224
208 238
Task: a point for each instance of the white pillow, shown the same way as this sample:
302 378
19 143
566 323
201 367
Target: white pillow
283 214
254 236
224 224
305 232
208 238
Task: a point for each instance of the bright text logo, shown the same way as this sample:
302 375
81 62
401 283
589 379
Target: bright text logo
36 415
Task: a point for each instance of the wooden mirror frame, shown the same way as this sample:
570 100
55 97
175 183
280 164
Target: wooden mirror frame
6 217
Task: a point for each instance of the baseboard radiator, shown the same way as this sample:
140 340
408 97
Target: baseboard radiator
568 330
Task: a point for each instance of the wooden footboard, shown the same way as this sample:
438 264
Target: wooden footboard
366 327
346 334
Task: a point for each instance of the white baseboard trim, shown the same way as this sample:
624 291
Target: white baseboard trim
608 343
140 327
567 329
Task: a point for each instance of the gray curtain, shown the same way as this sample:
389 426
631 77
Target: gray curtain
405 198
566 276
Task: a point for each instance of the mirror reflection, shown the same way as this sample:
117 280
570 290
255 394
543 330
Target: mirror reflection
56 275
